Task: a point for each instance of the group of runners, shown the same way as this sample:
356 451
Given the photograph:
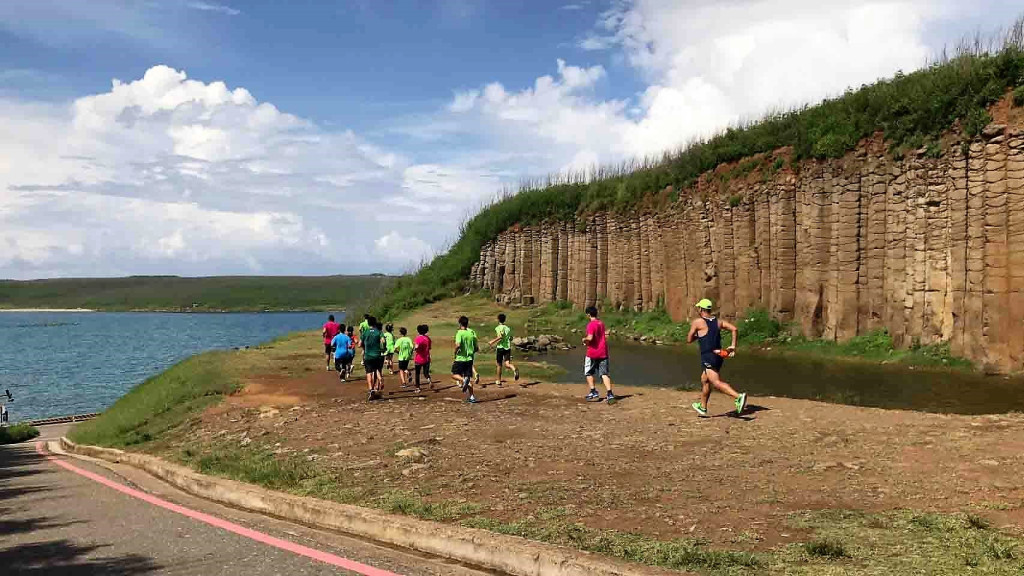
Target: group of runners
380 347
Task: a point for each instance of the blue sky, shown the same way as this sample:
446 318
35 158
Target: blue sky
314 137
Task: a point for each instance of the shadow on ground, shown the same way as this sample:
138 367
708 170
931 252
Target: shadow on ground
20 470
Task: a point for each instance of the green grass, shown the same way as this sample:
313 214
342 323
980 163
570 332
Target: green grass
831 549
17 433
162 402
912 111
898 542
678 554
219 293
296 475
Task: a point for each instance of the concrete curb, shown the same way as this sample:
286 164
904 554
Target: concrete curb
481 548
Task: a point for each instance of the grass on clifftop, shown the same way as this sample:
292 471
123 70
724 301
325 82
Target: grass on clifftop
911 110
217 293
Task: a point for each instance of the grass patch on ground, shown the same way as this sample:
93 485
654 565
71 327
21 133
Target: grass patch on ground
911 110
162 402
17 433
898 542
297 475
678 554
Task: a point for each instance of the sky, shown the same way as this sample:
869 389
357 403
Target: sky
314 137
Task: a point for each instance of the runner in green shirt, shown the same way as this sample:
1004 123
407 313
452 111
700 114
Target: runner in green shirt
363 327
404 346
465 351
389 348
373 355
503 355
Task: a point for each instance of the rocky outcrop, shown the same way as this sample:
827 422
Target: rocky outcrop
930 248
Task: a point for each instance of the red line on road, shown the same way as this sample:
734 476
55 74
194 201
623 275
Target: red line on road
267 539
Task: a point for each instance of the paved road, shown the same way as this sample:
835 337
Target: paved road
54 521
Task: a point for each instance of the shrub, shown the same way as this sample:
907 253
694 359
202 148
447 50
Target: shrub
758 326
1018 96
830 549
17 433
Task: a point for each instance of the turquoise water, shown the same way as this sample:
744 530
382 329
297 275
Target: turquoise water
57 363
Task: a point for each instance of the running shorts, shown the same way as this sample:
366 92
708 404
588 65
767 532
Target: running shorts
403 364
463 368
595 366
503 355
711 361
328 349
374 364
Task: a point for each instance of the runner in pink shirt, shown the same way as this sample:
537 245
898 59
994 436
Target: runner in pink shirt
331 329
596 361
421 354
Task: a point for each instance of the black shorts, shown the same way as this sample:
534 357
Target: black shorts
403 364
328 349
374 364
463 368
342 362
711 361
503 355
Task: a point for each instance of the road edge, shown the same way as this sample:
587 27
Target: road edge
480 548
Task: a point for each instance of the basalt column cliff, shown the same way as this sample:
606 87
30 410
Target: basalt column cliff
930 248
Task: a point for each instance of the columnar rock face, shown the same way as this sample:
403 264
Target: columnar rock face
931 249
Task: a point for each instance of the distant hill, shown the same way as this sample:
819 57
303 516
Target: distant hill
215 293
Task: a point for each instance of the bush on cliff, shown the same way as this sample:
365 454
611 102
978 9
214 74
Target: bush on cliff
911 110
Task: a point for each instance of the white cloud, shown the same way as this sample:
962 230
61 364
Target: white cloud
171 175
208 7
707 65
395 246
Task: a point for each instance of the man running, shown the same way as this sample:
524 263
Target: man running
343 353
422 357
465 351
329 332
363 327
707 330
595 364
389 348
373 358
403 348
503 350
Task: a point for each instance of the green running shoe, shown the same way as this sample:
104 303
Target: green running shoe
701 410
741 403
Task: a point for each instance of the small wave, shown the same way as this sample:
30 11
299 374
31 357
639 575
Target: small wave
46 324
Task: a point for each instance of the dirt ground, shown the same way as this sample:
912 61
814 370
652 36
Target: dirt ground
646 463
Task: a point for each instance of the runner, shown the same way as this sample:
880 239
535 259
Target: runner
363 327
422 357
343 353
503 350
329 332
595 364
372 343
707 330
389 348
465 351
355 344
403 347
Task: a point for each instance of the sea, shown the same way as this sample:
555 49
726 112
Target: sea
61 363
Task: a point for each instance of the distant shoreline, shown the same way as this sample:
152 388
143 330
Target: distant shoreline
47 310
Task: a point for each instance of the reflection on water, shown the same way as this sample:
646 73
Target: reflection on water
829 380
